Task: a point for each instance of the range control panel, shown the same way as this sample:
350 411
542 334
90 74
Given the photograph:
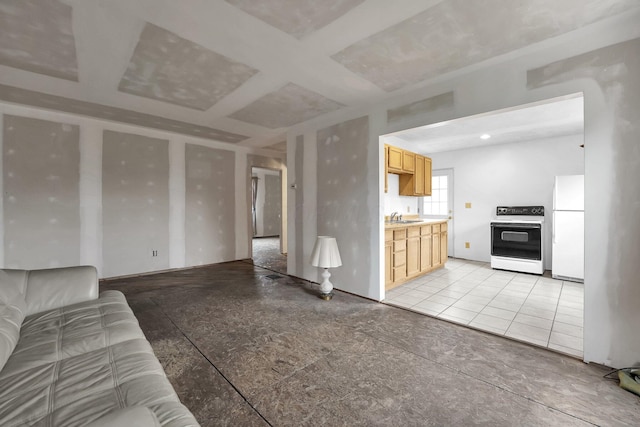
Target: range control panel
520 210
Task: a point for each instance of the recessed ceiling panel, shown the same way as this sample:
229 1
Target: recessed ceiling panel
43 100
296 17
285 107
457 33
37 36
169 68
280 146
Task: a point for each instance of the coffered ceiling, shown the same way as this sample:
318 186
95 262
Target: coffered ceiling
244 71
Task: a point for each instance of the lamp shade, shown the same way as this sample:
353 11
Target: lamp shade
325 253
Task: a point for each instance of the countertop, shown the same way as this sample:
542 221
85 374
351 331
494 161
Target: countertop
392 225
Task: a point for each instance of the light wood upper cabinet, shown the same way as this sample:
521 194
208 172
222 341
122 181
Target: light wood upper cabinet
386 168
413 185
427 176
414 171
408 161
399 161
394 159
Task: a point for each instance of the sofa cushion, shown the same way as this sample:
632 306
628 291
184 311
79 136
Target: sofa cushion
51 288
76 329
81 389
11 317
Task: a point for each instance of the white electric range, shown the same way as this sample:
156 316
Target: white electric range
517 236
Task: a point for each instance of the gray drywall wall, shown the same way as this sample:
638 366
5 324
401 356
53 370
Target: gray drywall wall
342 199
612 195
210 205
41 175
298 200
272 205
135 203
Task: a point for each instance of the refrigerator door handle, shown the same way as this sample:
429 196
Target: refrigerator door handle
553 229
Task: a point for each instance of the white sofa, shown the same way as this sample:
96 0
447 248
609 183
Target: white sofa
71 357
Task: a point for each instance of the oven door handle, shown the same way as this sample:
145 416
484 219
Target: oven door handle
519 226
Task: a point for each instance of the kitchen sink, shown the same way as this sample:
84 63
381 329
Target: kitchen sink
406 221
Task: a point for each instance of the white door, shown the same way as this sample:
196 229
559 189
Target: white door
440 204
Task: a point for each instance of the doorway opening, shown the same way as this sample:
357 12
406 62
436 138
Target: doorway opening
266 219
504 158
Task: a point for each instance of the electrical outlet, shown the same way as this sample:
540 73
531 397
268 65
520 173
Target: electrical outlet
154 252
467 245
408 209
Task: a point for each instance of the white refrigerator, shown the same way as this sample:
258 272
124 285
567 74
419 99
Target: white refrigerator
567 252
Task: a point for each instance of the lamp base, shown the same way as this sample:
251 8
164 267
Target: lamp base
326 297
326 287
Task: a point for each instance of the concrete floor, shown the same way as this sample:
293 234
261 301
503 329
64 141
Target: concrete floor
241 348
266 253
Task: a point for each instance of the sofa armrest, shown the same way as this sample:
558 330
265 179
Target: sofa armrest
56 287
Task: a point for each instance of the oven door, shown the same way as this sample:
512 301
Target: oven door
516 240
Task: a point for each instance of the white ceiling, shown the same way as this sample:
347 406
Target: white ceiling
554 118
244 71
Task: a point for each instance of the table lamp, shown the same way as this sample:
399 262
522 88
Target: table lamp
326 255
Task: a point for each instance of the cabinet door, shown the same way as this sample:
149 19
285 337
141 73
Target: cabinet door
395 158
386 168
427 176
413 256
444 249
388 269
435 249
418 177
408 161
425 253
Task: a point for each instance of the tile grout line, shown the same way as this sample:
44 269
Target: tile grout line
211 363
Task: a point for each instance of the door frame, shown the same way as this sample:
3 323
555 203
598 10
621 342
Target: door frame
283 206
450 205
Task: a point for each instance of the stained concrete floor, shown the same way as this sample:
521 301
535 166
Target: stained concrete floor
241 348
266 253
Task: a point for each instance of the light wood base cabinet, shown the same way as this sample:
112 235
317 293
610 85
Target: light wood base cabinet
413 251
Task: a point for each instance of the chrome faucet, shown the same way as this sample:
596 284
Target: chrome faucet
393 215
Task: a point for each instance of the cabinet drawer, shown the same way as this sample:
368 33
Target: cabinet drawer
435 228
413 231
400 245
443 227
399 273
425 230
400 234
399 259
388 235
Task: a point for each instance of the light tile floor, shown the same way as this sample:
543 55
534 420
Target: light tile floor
526 307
